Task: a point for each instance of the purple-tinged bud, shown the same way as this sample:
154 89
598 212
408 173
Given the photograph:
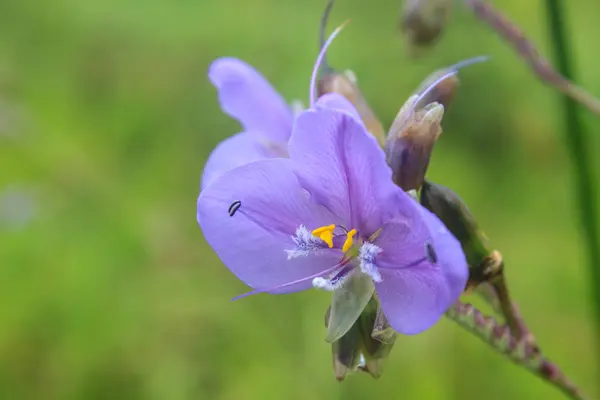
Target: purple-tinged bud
443 91
441 85
423 21
410 142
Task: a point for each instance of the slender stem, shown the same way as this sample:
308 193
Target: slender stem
521 352
540 66
575 139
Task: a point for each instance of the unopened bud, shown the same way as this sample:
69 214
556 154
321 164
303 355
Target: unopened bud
453 212
410 142
346 353
441 85
423 21
442 92
378 338
366 345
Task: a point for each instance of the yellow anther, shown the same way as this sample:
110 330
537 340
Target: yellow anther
317 232
349 240
325 233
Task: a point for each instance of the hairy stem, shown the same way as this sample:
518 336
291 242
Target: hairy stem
520 351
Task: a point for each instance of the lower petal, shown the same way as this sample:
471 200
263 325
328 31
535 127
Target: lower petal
415 297
248 216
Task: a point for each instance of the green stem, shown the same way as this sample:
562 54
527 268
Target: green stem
575 139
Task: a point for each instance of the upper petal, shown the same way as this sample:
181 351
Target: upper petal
232 152
344 168
416 291
247 96
335 101
252 242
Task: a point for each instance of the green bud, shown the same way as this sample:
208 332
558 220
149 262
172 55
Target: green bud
378 338
346 353
410 142
366 345
423 21
453 212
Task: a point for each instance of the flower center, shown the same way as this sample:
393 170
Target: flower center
358 253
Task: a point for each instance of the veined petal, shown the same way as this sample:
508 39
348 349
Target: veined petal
253 241
232 152
343 168
247 96
419 285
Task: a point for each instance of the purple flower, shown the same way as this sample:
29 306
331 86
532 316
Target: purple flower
266 119
330 212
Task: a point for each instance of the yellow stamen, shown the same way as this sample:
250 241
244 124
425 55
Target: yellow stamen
349 240
325 233
317 232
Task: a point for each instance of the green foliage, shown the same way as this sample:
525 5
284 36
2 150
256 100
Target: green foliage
109 291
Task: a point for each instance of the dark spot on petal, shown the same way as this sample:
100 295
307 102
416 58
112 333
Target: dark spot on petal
430 252
234 207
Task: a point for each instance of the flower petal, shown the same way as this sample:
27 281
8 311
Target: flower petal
232 152
335 101
414 291
252 242
343 168
247 96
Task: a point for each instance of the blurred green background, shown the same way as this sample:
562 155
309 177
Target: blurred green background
107 288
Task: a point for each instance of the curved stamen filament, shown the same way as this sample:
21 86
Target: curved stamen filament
320 58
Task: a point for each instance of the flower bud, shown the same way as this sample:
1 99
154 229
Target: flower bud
346 353
366 345
442 92
441 85
410 142
453 212
423 21
378 338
